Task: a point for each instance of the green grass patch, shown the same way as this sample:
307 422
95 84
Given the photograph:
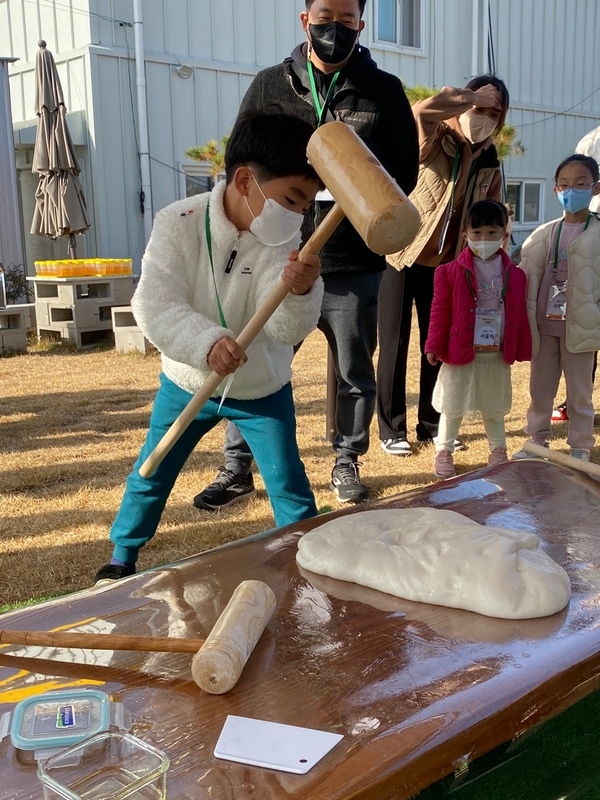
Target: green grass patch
32 602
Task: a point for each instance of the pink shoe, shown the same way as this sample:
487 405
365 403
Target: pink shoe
443 465
498 456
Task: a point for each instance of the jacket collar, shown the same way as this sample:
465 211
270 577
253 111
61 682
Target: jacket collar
355 76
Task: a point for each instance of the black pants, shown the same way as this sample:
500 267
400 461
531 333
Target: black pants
398 292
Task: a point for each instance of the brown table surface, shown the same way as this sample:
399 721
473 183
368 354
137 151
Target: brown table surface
417 690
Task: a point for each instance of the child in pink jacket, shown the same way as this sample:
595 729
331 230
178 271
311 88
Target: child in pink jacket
478 328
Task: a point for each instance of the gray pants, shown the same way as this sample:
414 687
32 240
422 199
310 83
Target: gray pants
349 322
546 367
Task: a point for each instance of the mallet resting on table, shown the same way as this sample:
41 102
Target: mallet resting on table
365 193
219 659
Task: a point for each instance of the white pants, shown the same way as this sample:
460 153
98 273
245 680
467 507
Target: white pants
449 427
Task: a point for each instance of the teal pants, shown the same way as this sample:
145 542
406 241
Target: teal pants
267 424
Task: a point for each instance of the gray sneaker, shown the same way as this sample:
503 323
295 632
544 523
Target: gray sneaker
227 488
522 455
579 452
346 485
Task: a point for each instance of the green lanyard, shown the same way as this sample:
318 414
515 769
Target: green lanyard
556 244
210 256
321 109
472 288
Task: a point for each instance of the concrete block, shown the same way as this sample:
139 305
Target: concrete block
86 313
123 290
12 318
28 310
128 336
127 340
13 340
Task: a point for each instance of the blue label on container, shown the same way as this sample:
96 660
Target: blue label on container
65 717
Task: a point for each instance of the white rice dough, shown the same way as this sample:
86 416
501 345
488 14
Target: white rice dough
435 556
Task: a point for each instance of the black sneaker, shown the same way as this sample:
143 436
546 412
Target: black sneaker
110 573
227 488
346 485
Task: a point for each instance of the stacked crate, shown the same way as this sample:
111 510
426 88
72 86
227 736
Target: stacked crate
79 309
13 329
128 337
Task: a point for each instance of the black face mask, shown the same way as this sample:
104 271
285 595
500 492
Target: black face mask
332 42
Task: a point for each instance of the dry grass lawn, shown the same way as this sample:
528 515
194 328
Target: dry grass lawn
72 424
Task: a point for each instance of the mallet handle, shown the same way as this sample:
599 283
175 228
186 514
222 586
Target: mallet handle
561 458
100 641
246 337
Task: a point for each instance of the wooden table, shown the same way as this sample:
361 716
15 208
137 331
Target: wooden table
417 690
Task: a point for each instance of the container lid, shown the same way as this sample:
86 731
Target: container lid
59 718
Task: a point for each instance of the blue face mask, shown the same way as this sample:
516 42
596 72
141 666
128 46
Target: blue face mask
575 200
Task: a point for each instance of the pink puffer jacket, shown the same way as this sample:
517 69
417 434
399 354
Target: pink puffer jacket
452 322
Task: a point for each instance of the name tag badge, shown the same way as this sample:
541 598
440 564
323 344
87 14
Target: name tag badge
487 331
557 302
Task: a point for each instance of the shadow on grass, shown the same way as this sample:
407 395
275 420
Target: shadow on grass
71 566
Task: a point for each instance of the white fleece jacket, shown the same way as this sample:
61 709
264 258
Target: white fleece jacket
583 285
175 302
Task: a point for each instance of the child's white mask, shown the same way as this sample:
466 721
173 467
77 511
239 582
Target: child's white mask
485 248
275 225
477 127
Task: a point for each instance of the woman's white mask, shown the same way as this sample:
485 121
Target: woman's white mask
477 127
275 225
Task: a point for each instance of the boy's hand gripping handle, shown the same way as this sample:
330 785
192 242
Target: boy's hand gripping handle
250 332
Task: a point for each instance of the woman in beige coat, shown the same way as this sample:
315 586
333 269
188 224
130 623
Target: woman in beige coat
458 165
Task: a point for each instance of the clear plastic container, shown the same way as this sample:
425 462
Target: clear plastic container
107 766
59 718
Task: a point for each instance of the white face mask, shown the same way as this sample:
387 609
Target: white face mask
485 248
477 127
275 224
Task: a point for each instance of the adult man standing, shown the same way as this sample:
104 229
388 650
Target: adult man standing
330 76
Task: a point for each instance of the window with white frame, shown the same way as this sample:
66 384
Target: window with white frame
195 179
526 198
398 22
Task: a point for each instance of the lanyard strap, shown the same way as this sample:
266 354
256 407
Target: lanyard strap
212 268
321 109
557 242
454 176
472 288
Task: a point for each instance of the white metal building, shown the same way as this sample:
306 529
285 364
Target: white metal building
545 50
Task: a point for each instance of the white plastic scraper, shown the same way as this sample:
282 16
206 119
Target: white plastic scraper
273 745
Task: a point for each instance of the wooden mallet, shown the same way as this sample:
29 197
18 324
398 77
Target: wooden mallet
219 659
562 458
373 202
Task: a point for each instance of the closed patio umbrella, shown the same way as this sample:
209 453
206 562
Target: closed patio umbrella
60 208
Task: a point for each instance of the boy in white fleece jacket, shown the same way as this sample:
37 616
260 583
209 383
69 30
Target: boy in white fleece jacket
210 262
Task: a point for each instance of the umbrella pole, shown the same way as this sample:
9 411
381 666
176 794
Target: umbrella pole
72 247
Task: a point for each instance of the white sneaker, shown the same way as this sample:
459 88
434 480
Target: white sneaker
397 447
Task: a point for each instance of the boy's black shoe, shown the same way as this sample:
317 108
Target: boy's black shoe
227 488
110 573
346 485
